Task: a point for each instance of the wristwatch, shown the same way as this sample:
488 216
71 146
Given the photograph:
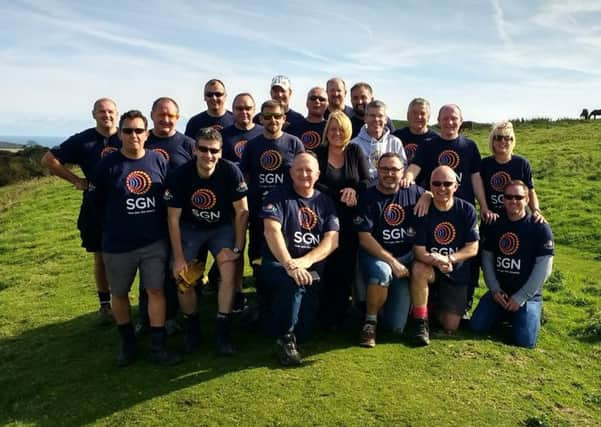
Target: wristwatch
236 250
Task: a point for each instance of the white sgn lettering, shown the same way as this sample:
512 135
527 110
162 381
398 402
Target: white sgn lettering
306 238
395 233
497 199
140 203
460 176
271 178
207 215
509 263
445 251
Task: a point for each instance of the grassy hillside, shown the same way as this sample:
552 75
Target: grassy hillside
57 364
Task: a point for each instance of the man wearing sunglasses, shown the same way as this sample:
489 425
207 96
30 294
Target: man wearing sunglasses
128 192
86 149
517 259
311 129
386 226
447 237
207 206
216 115
243 130
361 95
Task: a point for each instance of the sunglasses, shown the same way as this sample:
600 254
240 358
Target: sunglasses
513 197
243 108
129 131
443 183
204 149
502 138
386 169
317 98
269 116
167 115
214 94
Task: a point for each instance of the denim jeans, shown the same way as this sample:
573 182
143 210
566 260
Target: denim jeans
525 323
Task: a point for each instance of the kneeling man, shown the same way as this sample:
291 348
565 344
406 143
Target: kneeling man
301 230
517 258
447 237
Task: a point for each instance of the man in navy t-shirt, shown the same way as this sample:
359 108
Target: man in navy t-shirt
386 226
243 130
336 89
128 188
517 259
361 95
265 165
310 131
281 91
85 149
216 115
301 230
447 237
207 206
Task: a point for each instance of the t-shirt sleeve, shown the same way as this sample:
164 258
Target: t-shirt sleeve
420 155
67 152
545 245
173 195
421 230
238 188
272 208
527 174
331 222
362 220
471 232
476 159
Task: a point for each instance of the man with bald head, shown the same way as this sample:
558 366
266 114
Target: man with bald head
301 230
310 130
216 114
445 241
243 130
85 150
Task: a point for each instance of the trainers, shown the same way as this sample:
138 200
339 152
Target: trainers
105 315
164 358
240 303
288 354
422 332
368 335
171 327
141 328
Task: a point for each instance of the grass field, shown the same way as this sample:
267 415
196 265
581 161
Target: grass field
57 364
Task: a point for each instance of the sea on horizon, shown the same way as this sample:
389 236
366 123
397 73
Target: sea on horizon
44 141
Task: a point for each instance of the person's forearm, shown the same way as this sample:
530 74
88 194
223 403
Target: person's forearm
327 245
175 236
541 272
371 245
478 187
488 268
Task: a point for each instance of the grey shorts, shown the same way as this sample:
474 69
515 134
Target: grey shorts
193 238
121 268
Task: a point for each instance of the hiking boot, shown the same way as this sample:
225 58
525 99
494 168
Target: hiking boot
172 327
288 354
105 315
240 303
126 356
224 342
368 335
191 333
164 357
422 332
141 328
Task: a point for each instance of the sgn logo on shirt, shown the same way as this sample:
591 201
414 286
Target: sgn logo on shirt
307 219
271 160
139 182
410 150
162 152
239 148
204 199
107 150
449 158
310 139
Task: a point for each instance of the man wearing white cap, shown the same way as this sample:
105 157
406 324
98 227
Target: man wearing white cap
281 91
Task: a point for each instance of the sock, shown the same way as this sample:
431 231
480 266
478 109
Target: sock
104 298
371 318
420 312
128 337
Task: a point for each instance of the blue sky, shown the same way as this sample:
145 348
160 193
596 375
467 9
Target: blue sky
496 59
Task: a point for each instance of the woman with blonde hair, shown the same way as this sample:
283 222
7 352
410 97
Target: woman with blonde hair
344 173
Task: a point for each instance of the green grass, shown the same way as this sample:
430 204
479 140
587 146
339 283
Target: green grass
57 364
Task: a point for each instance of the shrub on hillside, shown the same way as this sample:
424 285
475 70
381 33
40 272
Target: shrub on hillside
21 166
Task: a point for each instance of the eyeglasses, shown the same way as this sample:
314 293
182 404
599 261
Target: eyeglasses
443 183
317 98
243 107
204 149
269 116
129 131
507 138
386 169
513 197
214 94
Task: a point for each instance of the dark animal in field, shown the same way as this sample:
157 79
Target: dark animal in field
584 114
593 114
469 125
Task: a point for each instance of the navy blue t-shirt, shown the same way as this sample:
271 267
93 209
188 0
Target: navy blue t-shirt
515 246
446 232
86 149
496 176
176 149
235 139
460 154
411 141
266 163
206 202
304 220
129 197
309 133
204 120
389 218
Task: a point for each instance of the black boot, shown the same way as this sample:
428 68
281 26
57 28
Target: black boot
158 348
224 342
191 333
127 354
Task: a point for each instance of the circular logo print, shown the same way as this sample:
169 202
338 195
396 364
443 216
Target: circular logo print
394 214
307 218
239 148
499 180
217 127
444 233
310 139
162 152
271 160
410 150
448 158
203 199
138 182
509 243
107 150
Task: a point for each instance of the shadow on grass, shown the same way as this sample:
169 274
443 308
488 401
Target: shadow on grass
64 373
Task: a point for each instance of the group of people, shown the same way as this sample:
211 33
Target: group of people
339 207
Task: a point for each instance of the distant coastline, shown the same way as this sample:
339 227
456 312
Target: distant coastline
44 141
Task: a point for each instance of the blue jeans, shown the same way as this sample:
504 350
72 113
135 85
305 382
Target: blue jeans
378 273
293 307
525 323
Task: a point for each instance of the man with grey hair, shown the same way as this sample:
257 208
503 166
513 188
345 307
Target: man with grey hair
336 89
375 139
417 133
310 130
361 95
